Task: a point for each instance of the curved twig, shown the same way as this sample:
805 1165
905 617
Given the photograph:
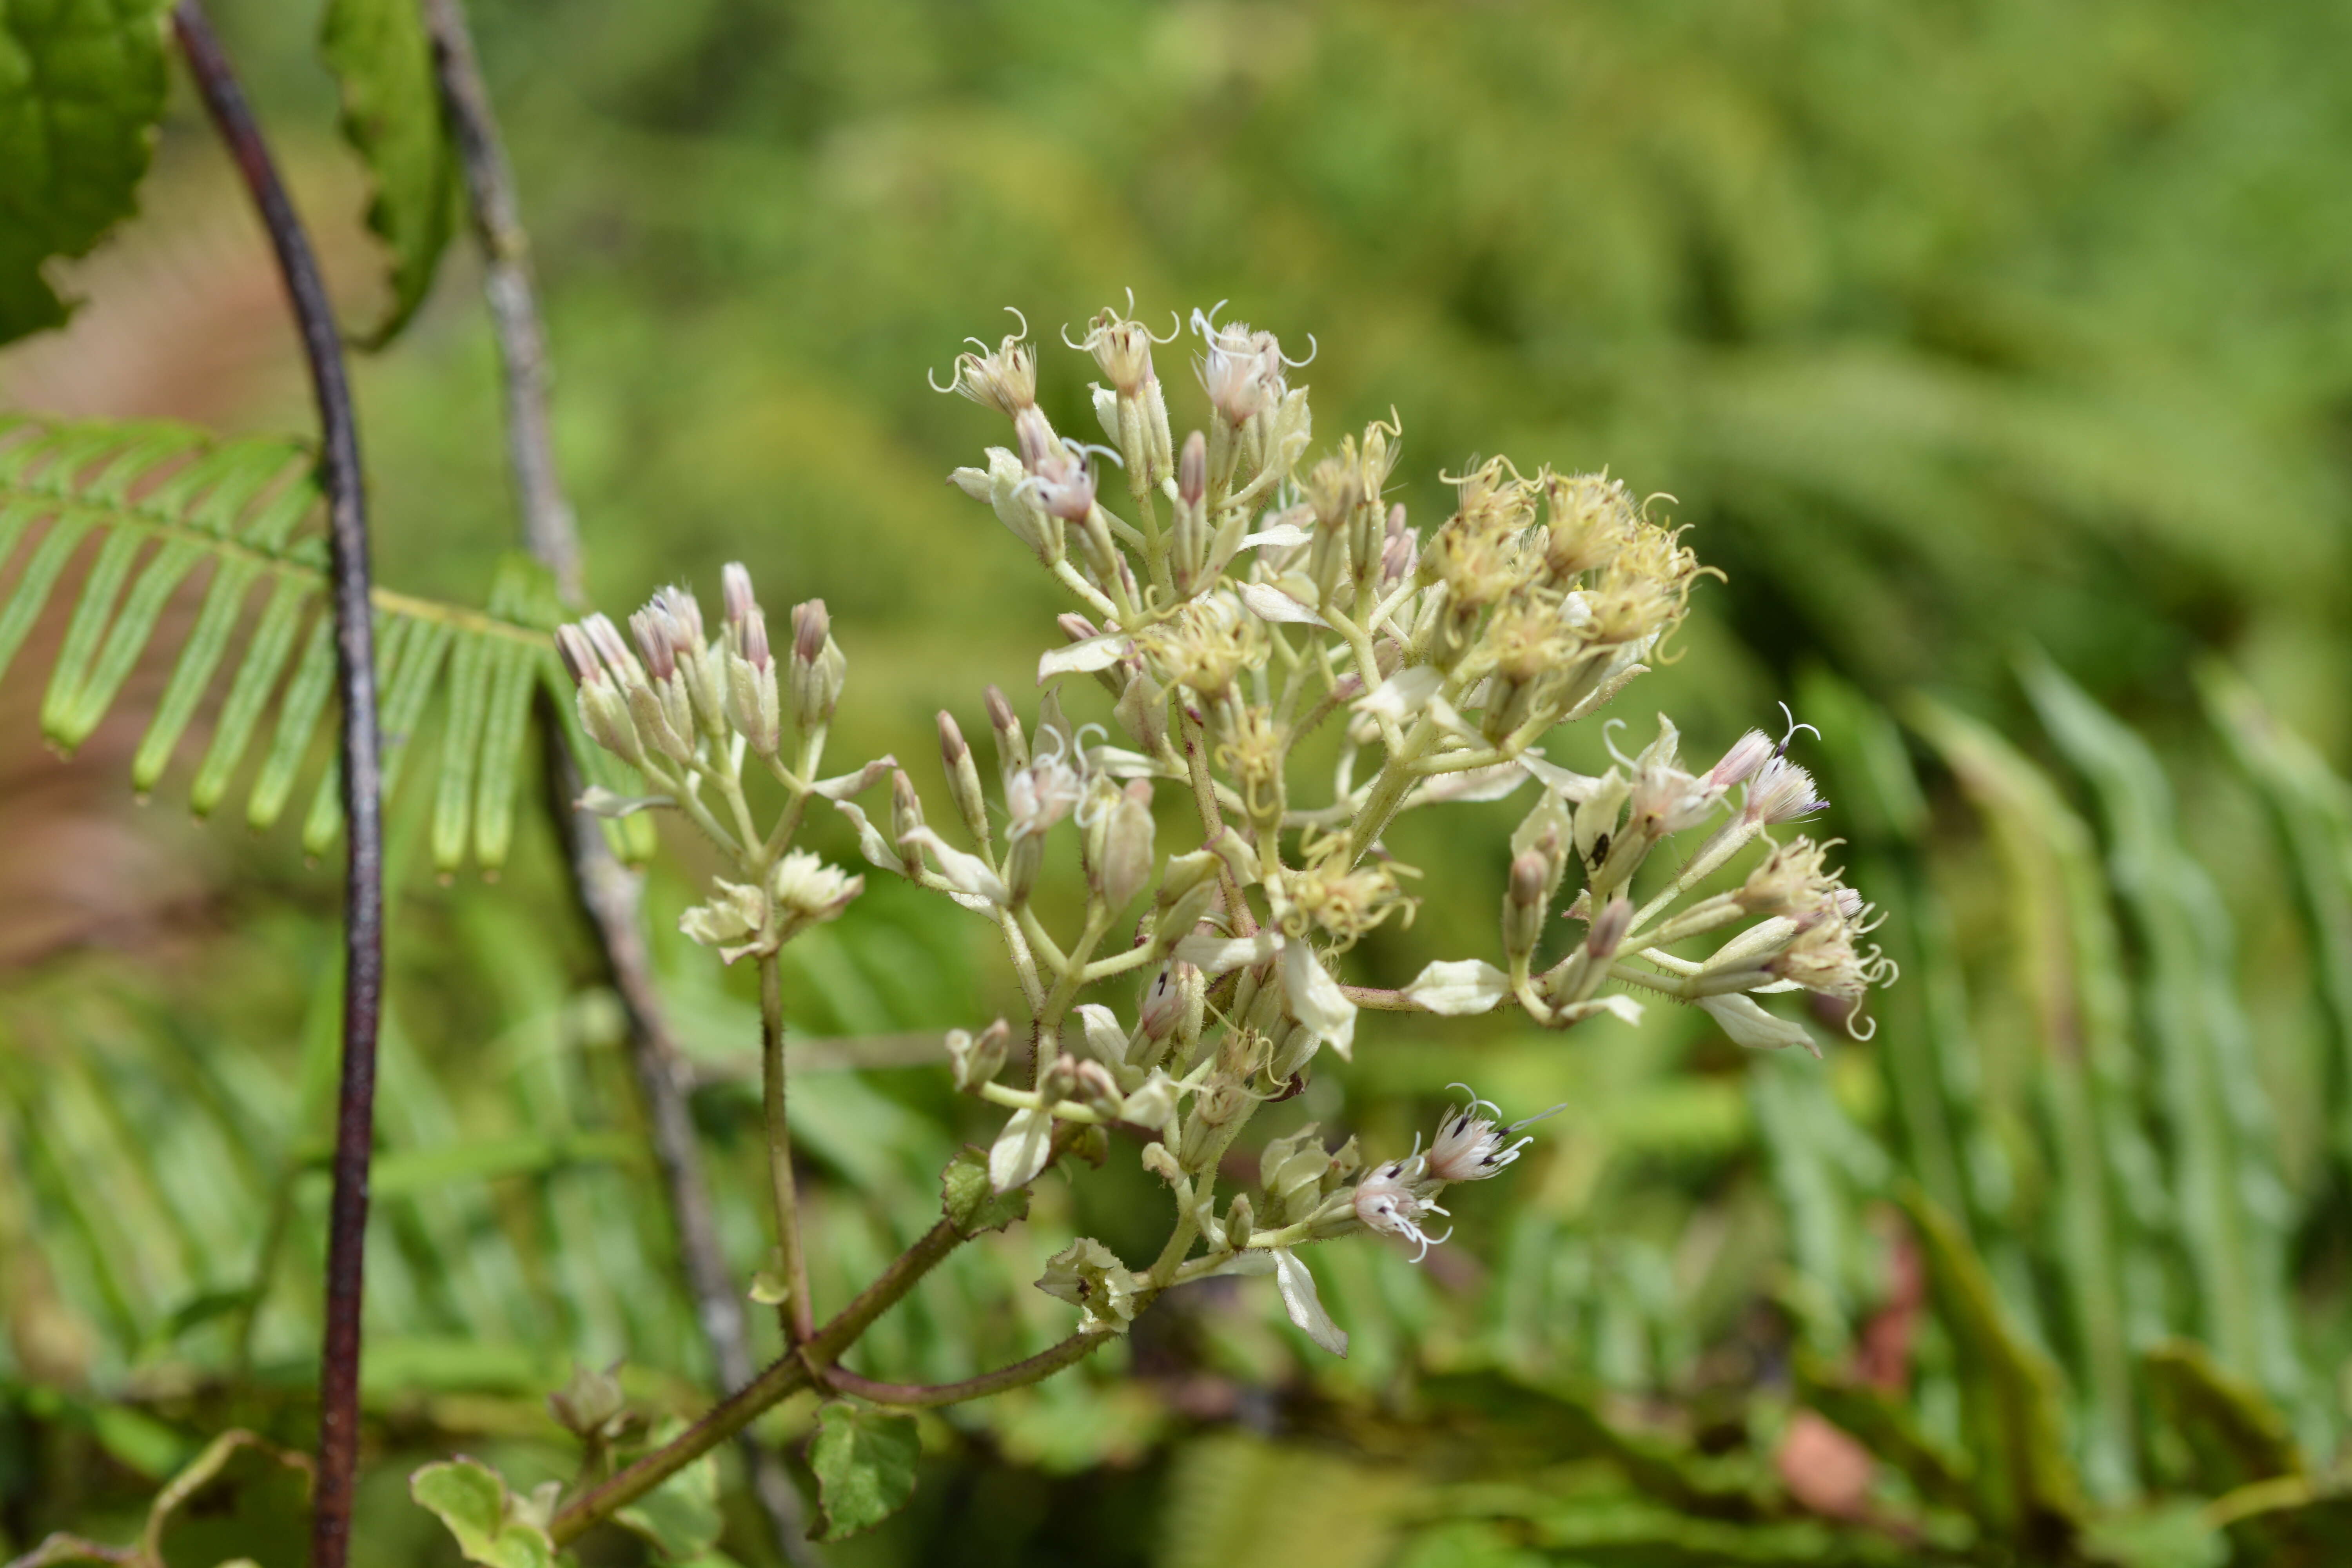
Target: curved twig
347 545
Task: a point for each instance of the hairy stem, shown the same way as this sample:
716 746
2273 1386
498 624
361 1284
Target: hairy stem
347 546
793 1373
731 1416
800 1322
606 891
920 1396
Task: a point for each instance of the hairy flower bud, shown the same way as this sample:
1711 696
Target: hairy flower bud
656 722
818 669
1188 885
1117 846
977 1060
906 816
579 654
1747 753
1012 750
1060 1080
1098 1090
735 593
1241 1220
1525 903
1171 1016
1213 1110
753 705
1609 927
592 1406
963 779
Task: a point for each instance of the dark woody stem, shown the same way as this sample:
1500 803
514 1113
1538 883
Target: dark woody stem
347 547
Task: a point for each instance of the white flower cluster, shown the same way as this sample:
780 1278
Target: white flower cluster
1232 605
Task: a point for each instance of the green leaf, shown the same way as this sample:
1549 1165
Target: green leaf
679 1518
2232 1205
2238 1437
382 63
159 501
2023 1478
865 1465
971 1203
81 89
473 1502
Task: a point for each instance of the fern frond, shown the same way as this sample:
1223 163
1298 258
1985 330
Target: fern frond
149 504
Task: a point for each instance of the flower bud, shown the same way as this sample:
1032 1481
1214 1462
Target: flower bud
592 1406
1098 1090
1117 846
819 668
1294 1048
1171 1012
906 816
1152 1104
653 642
1188 885
1525 904
1214 1108
615 652
752 703
1747 753
1061 1079
653 723
1023 859
1400 550
978 1059
1011 750
605 714
1193 471
579 655
1161 1163
735 593
963 779
1241 1220
1609 929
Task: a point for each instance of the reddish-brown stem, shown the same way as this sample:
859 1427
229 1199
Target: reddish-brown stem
347 552
1036 1368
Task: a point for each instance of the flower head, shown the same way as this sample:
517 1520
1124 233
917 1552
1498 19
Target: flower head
1470 1147
1004 378
1394 1198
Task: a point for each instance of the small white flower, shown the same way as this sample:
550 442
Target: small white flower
1088 1274
1396 1198
806 891
1782 792
1470 1147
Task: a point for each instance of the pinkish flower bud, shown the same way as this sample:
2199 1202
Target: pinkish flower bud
615 652
1747 753
735 591
1012 750
579 655
1193 471
1609 929
753 629
652 641
1077 628
811 625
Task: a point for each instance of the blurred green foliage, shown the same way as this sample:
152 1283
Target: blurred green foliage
1957 329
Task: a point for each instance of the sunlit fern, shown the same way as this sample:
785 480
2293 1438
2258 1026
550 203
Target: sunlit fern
162 499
